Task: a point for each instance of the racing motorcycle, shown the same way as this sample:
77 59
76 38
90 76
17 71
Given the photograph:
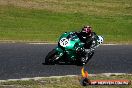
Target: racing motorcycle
71 50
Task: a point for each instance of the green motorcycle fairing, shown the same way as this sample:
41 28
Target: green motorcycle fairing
69 41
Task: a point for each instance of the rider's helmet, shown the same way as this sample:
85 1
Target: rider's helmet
100 39
87 30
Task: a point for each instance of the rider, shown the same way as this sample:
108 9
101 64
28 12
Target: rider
87 36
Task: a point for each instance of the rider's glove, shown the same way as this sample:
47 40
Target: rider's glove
80 50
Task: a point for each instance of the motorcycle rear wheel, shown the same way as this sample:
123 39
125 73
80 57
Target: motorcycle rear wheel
82 61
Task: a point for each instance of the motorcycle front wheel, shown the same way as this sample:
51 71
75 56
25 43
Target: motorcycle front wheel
50 59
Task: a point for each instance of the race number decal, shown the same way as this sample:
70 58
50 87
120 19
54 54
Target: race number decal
64 42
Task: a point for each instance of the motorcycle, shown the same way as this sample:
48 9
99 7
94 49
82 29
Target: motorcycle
71 50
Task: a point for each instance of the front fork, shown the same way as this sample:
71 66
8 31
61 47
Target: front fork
60 53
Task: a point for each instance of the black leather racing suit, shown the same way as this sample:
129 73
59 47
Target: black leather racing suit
88 40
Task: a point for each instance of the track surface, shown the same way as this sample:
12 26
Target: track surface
24 60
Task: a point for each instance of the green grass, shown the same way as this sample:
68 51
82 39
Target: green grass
64 82
46 20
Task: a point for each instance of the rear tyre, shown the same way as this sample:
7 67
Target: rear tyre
81 61
50 58
90 56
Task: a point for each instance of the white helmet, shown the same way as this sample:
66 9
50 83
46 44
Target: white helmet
100 39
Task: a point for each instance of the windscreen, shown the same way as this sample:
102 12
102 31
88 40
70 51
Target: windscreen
71 36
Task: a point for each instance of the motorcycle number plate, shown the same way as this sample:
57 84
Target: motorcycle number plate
64 42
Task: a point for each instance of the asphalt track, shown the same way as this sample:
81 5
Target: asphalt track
25 60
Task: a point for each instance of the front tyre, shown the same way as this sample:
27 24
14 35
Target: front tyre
51 57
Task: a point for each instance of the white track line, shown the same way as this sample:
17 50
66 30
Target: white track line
56 43
38 78
41 43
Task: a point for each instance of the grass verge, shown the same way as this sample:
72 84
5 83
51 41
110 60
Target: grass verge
63 82
46 20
